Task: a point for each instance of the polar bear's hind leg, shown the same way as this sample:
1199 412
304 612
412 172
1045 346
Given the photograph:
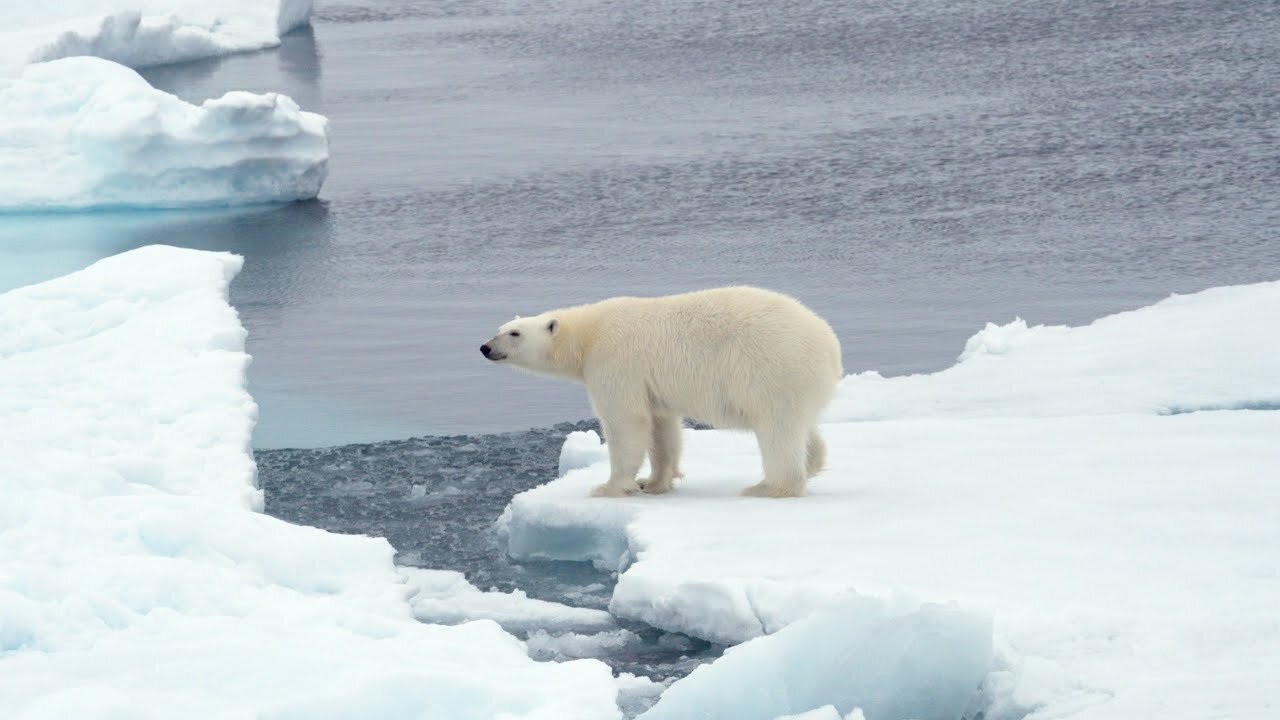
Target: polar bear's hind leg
784 450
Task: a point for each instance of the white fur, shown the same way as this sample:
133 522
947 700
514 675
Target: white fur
735 357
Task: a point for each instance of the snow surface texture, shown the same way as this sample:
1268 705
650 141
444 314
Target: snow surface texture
136 577
1055 479
88 133
139 33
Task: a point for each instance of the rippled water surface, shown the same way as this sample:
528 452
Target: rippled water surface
909 169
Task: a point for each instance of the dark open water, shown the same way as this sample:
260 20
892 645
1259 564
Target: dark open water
910 169
435 499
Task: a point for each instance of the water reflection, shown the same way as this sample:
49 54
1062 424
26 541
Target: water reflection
299 58
293 69
39 246
288 266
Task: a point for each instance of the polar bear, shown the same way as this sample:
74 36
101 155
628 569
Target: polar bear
735 357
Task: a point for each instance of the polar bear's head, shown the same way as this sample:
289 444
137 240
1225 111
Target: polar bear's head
524 343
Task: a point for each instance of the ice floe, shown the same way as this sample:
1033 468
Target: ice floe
85 133
1106 494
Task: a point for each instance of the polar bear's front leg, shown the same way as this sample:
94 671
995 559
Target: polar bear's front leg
626 438
664 454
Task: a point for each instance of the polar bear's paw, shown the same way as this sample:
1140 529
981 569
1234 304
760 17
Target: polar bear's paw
764 489
615 489
656 485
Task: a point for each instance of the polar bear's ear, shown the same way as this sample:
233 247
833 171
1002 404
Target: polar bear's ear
552 325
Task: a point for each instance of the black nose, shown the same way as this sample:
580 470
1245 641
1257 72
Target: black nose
485 350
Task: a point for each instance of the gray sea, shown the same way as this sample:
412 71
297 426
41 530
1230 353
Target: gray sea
911 170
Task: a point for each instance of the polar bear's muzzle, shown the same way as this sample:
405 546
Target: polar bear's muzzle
490 353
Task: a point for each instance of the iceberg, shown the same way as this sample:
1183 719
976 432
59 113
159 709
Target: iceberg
137 576
138 33
84 133
1105 494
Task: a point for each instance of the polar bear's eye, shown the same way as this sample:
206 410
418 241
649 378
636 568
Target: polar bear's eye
514 333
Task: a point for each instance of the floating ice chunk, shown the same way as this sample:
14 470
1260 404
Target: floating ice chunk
138 33
445 596
637 693
87 133
353 487
924 665
568 646
581 448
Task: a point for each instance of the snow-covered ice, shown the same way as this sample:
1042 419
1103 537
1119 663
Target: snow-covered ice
137 578
83 131
88 133
1215 349
139 33
582 448
852 654
1106 494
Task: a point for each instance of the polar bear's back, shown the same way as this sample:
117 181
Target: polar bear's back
725 355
